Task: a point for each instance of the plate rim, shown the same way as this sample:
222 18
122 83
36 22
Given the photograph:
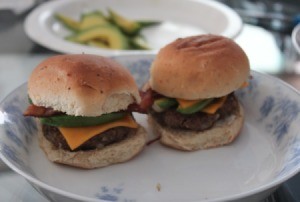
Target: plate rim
296 43
32 20
253 191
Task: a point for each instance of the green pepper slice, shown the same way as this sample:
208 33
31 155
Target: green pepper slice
196 107
81 121
162 104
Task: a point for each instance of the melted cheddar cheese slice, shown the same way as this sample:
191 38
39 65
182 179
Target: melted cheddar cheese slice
77 136
213 107
186 103
210 109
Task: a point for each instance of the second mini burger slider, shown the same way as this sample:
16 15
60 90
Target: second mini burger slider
192 82
82 104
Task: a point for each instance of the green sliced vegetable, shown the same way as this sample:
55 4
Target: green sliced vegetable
162 104
110 34
128 26
116 32
98 43
80 121
196 107
71 24
147 23
92 19
139 43
29 100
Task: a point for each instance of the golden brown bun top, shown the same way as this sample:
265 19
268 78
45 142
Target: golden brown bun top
198 67
85 85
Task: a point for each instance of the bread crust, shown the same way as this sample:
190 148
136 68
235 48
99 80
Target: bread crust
82 85
198 67
112 154
222 133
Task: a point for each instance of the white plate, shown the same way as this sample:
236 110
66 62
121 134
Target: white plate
180 18
296 38
264 155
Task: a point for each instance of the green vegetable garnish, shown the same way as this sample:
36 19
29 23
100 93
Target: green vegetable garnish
81 121
196 107
162 104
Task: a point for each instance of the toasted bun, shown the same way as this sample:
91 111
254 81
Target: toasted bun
222 133
82 85
112 154
198 67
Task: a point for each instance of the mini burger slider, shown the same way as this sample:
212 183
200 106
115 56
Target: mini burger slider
192 84
82 103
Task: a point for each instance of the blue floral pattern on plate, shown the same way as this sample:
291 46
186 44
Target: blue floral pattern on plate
279 113
112 194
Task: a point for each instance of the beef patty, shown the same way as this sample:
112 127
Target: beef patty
198 121
99 141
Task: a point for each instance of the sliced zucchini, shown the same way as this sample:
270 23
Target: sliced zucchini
129 27
110 34
71 24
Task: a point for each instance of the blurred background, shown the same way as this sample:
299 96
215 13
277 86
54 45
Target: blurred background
270 24
267 23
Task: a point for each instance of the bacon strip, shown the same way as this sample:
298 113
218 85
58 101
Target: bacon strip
147 99
38 111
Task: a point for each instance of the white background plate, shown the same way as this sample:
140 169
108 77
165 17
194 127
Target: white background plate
296 38
180 18
264 155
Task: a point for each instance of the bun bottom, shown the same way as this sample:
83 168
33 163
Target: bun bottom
112 154
222 133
